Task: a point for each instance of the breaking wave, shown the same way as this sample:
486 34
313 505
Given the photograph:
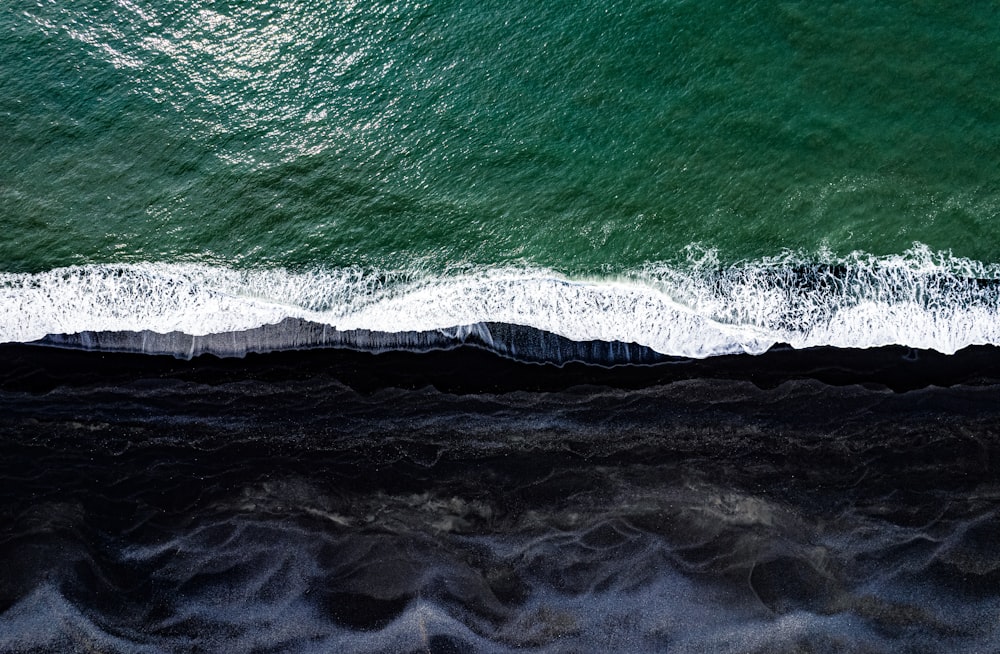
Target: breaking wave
700 308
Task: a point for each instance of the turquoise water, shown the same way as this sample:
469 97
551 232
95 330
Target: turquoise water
588 140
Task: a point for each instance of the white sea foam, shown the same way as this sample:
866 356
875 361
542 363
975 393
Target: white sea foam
699 309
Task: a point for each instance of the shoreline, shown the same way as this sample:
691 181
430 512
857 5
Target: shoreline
471 364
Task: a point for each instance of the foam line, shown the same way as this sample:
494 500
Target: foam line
699 309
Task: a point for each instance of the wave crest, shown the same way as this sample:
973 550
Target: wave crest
920 299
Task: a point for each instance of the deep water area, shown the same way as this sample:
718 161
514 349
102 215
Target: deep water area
457 501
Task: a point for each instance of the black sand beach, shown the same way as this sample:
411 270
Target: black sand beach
457 500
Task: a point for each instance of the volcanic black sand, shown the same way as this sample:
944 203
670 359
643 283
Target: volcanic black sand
332 500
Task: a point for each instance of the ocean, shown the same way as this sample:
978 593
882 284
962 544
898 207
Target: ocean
451 326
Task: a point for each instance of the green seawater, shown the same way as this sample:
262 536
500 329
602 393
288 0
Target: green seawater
583 137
